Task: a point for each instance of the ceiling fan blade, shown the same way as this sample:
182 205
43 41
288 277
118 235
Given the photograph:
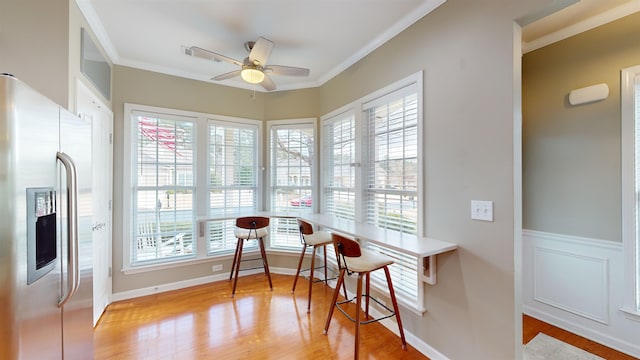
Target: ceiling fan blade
210 55
286 70
267 83
226 75
261 51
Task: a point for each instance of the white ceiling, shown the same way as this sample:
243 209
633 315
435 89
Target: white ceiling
326 36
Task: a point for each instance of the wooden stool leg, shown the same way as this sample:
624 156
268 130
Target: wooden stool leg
313 265
358 310
295 279
324 248
265 263
237 267
235 257
334 300
392 293
366 305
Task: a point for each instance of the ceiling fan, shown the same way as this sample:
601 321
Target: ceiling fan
254 68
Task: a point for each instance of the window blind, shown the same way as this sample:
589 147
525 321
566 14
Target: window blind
391 189
232 179
340 154
292 179
404 273
163 187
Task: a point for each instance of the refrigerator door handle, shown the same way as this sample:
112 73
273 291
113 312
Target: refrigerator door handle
73 280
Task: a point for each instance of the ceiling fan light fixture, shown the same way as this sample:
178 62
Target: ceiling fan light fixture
252 75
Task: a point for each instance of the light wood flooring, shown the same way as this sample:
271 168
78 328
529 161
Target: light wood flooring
205 322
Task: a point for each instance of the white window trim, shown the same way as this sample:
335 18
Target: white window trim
269 187
200 158
629 215
292 123
330 119
357 107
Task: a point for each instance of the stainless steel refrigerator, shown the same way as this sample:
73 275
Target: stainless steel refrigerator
46 287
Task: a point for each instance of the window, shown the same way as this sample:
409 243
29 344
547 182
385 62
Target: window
163 188
232 179
372 163
631 187
375 140
166 194
292 145
391 131
340 177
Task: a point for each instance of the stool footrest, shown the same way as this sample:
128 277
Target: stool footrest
390 314
334 274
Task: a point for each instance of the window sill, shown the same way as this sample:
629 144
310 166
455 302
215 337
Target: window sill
631 314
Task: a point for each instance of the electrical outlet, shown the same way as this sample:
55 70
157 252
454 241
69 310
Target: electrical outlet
217 267
482 210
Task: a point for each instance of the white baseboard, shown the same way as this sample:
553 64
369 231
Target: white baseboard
132 294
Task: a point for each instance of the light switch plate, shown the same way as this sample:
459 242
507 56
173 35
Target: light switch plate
482 210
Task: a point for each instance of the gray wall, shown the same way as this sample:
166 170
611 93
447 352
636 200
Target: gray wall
50 63
571 154
40 61
466 51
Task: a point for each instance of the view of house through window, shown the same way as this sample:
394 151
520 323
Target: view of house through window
391 191
340 177
292 178
164 188
232 179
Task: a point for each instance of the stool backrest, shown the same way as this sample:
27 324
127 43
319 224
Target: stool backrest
252 222
305 227
346 247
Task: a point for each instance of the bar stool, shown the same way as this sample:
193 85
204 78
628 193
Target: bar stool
315 239
351 259
249 228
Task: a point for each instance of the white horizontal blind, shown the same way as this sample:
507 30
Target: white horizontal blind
391 189
232 180
163 212
340 154
292 179
404 273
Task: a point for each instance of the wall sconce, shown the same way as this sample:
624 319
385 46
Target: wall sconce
588 94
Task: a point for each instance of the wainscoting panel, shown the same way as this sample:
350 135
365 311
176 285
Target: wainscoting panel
577 284
574 283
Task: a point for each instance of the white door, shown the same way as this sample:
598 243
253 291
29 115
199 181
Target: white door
91 108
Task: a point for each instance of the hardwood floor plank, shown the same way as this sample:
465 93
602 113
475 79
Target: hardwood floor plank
205 322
